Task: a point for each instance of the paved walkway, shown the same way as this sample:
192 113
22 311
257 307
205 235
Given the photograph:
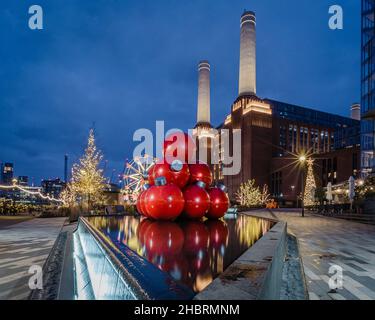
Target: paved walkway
22 245
327 241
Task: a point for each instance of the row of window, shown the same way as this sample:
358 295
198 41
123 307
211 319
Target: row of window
295 139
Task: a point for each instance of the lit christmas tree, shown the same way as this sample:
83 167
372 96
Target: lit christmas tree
249 194
310 186
88 182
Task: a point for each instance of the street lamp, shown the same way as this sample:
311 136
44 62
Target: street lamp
302 160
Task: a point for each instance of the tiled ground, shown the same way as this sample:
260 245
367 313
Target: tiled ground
327 241
22 245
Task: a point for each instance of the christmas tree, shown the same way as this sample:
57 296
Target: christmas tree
310 186
249 194
88 182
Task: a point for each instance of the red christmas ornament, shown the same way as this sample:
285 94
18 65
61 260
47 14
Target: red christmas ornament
219 203
141 200
197 237
138 205
197 201
180 173
163 238
164 201
218 233
162 169
200 172
179 146
150 176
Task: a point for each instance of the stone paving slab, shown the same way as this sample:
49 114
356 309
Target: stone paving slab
22 245
326 242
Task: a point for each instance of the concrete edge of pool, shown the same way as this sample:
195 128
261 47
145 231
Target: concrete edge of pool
256 274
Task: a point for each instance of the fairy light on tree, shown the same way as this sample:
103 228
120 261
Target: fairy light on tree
310 187
88 182
68 196
249 195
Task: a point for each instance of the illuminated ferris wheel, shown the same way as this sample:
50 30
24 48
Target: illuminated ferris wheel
136 173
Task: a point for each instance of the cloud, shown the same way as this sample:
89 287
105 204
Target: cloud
125 64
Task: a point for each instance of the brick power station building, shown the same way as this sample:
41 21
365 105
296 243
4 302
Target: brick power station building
274 133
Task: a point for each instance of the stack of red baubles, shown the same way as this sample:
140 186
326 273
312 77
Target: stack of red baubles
176 188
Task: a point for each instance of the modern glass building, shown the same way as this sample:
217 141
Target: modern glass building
368 87
303 129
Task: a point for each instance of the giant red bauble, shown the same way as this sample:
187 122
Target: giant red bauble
179 146
200 172
163 238
180 177
150 179
197 202
219 203
218 233
164 202
138 204
162 169
141 200
197 237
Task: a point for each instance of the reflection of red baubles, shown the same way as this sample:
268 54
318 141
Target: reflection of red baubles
180 173
179 146
200 172
141 230
162 169
218 233
164 201
197 201
219 203
200 262
163 238
196 237
177 266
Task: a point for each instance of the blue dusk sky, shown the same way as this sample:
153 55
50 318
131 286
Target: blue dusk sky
123 64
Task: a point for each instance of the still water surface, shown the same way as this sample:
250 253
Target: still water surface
191 252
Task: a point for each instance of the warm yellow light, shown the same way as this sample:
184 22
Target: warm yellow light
302 158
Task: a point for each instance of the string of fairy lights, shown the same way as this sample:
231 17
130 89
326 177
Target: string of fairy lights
34 193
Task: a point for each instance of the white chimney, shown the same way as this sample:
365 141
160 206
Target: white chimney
203 115
247 81
355 111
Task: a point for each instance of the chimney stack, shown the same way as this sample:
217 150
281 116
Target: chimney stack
203 115
247 79
355 111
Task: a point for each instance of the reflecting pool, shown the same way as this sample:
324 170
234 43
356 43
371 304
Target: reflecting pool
193 253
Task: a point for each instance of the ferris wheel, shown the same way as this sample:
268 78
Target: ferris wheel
136 173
